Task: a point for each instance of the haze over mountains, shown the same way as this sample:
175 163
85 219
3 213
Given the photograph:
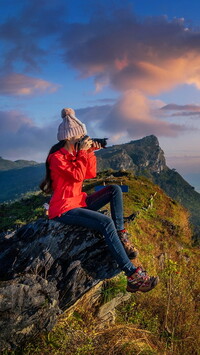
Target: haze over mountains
193 179
141 157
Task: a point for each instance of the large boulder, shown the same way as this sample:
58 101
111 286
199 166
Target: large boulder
45 267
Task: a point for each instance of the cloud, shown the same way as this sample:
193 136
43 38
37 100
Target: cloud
183 110
183 113
153 55
173 107
12 121
29 34
93 117
103 101
139 116
132 116
115 47
19 84
21 138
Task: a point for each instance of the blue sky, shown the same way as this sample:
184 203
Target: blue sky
128 68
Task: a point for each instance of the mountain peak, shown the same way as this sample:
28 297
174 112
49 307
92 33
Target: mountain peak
138 155
147 140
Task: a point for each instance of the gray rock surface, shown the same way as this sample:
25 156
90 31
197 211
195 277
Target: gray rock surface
45 267
137 156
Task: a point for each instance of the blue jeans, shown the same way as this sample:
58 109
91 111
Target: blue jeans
90 218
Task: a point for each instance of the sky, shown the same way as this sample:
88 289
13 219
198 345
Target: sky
128 68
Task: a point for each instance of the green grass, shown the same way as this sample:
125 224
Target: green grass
14 215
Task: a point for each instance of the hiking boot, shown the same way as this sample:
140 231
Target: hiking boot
140 281
131 251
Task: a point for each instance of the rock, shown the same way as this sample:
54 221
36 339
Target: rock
116 159
45 267
28 305
107 312
137 156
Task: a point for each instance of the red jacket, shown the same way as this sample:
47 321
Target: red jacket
67 173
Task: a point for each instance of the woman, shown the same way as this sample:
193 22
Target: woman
66 168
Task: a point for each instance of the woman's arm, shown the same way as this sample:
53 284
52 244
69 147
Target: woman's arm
91 170
68 167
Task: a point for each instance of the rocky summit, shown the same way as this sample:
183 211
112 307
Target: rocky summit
139 155
45 267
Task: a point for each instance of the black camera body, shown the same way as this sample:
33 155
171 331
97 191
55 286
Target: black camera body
102 141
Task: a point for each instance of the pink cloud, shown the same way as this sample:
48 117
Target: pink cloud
182 110
175 107
152 56
132 116
137 115
19 84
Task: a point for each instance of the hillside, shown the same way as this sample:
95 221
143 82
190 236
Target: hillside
164 321
144 157
16 182
17 164
175 186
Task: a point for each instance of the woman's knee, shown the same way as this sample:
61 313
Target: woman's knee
107 222
115 188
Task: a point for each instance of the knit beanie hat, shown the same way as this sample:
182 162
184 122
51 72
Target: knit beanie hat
71 126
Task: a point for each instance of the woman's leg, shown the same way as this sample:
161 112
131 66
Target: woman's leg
110 194
113 194
105 225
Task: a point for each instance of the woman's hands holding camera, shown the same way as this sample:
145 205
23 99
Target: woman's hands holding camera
95 146
85 143
89 145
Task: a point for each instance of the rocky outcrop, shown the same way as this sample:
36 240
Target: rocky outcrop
44 268
147 154
138 155
116 159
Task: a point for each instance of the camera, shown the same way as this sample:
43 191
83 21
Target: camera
102 141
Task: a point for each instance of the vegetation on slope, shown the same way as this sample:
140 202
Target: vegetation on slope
164 321
175 186
16 214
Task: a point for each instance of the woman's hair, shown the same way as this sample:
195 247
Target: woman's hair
46 184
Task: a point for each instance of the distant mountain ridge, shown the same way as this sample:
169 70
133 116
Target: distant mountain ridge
6 164
16 182
142 157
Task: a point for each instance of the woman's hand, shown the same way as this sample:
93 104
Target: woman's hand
86 144
95 146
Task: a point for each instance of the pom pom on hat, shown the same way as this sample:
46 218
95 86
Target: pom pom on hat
71 126
67 111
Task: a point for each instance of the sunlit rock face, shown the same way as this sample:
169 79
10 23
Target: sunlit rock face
45 267
142 154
